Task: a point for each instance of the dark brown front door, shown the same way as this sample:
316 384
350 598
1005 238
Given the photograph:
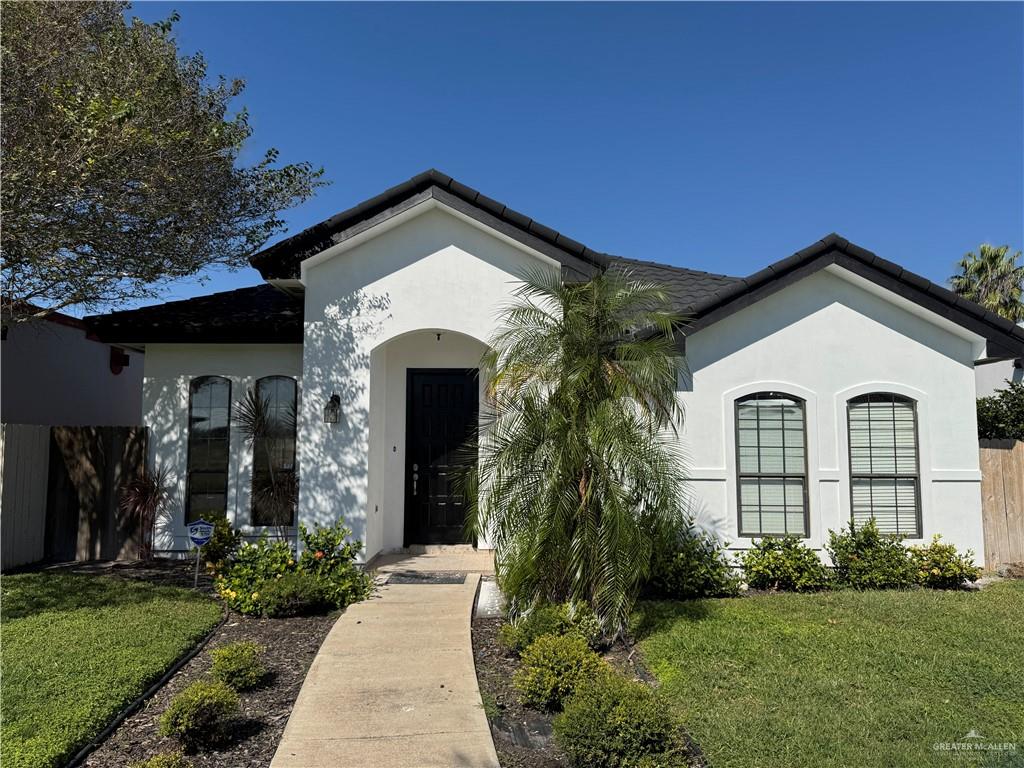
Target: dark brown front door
441 414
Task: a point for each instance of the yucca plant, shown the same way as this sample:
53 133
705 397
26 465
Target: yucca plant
993 278
579 468
142 499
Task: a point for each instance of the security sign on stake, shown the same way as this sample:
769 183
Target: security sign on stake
200 532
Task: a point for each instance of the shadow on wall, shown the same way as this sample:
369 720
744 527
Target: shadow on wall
333 457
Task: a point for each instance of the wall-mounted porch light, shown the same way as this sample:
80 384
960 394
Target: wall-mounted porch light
332 411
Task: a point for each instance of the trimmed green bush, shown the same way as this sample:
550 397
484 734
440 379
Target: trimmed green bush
612 722
165 760
785 564
940 566
1001 415
866 559
200 715
561 619
294 594
238 665
553 667
689 564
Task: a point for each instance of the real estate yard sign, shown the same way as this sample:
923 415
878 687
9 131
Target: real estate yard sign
199 533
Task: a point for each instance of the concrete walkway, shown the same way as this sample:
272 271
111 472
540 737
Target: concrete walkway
394 685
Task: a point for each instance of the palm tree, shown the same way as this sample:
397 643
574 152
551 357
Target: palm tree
993 279
578 466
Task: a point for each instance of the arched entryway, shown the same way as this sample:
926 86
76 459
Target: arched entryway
425 394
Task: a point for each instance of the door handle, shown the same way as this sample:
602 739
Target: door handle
415 477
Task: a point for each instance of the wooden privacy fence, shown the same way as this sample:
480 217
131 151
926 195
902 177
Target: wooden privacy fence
1002 501
60 492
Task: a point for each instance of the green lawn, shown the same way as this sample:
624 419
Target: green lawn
75 649
844 678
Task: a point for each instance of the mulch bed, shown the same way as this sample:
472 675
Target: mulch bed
289 648
515 722
290 645
522 736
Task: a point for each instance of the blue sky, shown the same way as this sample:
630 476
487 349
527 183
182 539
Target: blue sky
715 136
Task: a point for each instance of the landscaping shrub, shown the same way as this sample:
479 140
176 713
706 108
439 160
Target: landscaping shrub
165 760
561 619
252 565
294 594
329 557
238 665
553 667
784 564
612 722
690 564
222 545
1001 416
866 559
940 566
200 715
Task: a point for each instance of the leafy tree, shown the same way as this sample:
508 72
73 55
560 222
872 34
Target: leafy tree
994 279
578 471
1001 415
119 162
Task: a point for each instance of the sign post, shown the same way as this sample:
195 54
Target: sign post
199 533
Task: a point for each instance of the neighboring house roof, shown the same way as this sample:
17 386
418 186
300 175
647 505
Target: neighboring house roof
264 313
260 314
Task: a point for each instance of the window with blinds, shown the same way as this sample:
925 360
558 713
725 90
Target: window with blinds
771 461
209 420
884 482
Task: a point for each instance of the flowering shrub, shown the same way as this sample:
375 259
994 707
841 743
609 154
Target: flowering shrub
252 564
327 558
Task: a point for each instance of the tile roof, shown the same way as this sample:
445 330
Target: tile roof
685 286
259 314
281 260
263 313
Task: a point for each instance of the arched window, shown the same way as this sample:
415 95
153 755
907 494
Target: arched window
771 464
274 479
209 421
884 481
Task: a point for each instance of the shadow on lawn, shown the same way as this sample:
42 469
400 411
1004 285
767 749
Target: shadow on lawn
651 617
28 594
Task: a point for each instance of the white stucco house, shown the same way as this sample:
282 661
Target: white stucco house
830 385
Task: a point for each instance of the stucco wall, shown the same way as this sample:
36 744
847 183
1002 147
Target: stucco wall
52 374
433 271
169 370
374 307
826 340
993 376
